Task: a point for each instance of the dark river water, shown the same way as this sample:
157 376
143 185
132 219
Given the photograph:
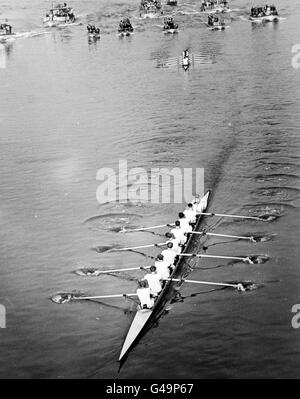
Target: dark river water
68 108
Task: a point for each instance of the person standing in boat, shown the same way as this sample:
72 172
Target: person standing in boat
144 295
154 281
178 233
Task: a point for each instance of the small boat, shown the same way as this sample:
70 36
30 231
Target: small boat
93 32
145 319
6 32
150 9
216 23
60 14
170 26
125 27
264 14
215 6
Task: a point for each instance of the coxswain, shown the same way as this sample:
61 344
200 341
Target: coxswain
169 254
154 281
162 267
184 223
144 295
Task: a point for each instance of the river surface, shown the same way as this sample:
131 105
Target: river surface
68 108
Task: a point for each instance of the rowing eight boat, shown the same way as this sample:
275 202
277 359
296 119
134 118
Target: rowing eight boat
146 318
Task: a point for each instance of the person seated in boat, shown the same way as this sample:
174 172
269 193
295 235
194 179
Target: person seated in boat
125 25
154 282
7 28
190 213
273 10
177 246
267 10
184 223
162 267
210 20
178 233
169 254
260 12
144 295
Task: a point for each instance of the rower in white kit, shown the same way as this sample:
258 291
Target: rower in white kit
178 233
184 223
177 246
190 213
162 267
154 281
144 295
169 254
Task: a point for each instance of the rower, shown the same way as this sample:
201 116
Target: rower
154 281
177 247
169 254
143 293
190 213
179 233
184 223
162 267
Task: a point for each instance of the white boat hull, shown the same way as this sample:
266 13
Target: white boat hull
141 319
267 18
171 31
137 325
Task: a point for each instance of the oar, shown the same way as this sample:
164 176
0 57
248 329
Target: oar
223 235
246 259
147 228
103 296
239 286
121 270
67 297
232 216
139 247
